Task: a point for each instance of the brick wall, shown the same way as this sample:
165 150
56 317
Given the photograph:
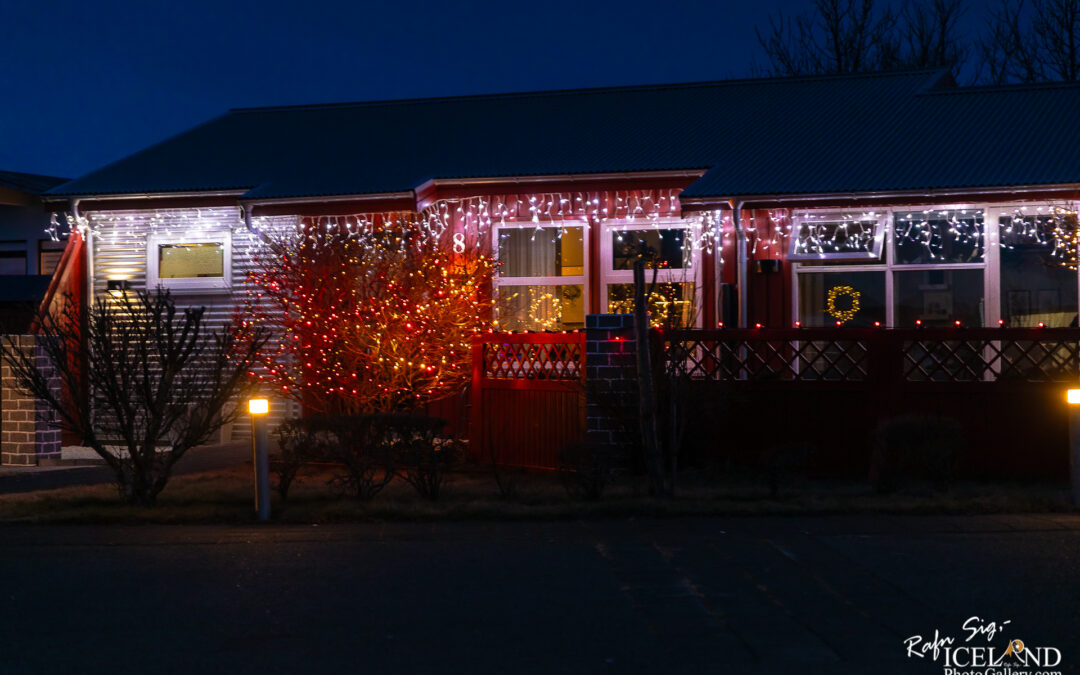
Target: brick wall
611 379
28 434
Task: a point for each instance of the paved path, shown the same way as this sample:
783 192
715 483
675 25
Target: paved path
30 479
833 595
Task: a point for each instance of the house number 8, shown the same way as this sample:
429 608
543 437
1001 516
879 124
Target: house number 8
459 242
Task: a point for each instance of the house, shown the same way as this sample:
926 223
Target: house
895 199
28 255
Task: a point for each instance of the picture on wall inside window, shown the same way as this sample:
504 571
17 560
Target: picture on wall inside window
937 306
1019 303
1047 300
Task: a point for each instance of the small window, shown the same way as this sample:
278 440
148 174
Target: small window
542 252
838 237
189 265
936 237
667 246
49 254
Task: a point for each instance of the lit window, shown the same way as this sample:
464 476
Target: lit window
836 236
938 236
540 282
671 275
191 265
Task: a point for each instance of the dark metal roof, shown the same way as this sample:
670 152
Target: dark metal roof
30 183
872 132
943 138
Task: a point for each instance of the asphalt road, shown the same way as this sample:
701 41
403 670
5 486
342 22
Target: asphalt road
752 595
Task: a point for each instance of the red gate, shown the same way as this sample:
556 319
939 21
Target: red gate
528 397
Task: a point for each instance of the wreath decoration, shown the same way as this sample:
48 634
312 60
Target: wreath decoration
545 303
836 306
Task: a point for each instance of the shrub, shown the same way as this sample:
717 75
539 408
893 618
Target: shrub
421 455
923 446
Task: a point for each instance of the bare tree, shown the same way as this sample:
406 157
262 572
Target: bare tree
853 36
1032 41
160 381
933 35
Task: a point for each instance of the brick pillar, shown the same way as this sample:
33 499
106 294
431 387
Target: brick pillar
28 436
611 380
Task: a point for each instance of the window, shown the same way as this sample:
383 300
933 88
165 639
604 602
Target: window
854 299
1038 269
932 271
49 254
834 236
936 236
673 261
540 281
189 265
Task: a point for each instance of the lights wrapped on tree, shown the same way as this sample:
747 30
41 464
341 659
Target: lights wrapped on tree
367 321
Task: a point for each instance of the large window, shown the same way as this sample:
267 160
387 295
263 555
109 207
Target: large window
189 265
932 271
540 281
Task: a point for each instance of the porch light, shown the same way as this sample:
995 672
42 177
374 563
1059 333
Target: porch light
1072 397
259 407
117 286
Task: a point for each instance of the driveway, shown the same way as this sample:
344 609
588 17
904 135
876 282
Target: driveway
708 595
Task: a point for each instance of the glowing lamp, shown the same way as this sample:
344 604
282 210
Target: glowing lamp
117 286
1072 397
258 406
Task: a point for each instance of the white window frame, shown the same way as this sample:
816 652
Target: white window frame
194 284
578 280
610 276
800 218
887 262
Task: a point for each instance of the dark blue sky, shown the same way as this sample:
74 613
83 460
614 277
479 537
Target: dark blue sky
84 83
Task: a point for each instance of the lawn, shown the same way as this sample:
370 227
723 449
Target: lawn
225 496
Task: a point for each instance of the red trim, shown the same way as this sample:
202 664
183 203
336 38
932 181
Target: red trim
824 201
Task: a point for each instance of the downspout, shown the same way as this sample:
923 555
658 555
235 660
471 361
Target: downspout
742 265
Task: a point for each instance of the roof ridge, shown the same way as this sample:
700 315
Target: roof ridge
5 172
593 90
1017 87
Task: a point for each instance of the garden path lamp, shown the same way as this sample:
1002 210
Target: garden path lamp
259 409
1072 397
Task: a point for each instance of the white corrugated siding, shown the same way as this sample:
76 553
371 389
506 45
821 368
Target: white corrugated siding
119 251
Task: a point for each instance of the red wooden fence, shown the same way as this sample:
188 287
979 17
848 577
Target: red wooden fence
527 397
830 388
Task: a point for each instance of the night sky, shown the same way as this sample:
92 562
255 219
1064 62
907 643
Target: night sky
85 83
